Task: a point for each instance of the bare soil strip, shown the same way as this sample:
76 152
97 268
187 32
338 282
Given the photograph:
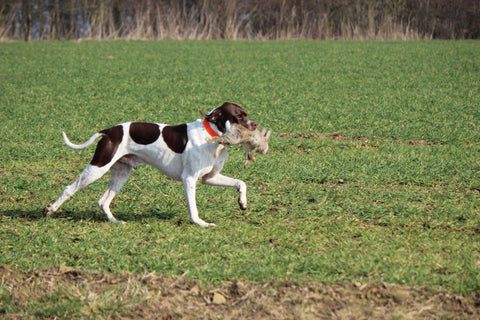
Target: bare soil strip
342 137
23 295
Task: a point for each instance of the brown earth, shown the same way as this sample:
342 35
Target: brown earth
342 137
29 295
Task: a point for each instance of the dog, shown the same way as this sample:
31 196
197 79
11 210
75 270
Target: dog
252 141
180 152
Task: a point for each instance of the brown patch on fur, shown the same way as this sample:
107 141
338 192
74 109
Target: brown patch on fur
175 137
107 146
144 133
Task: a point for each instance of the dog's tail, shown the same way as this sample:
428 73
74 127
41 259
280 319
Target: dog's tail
81 146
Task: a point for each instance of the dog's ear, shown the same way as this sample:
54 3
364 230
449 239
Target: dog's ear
203 114
214 115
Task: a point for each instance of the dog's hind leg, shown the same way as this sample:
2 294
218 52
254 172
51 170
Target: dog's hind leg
120 172
89 175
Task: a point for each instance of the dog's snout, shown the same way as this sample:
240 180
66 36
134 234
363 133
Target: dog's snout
253 125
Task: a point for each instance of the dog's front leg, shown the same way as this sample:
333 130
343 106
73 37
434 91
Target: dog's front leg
189 186
224 181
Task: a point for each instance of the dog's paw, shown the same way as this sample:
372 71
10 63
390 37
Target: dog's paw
117 221
203 224
209 225
242 204
48 210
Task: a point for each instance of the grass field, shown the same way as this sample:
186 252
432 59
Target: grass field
373 174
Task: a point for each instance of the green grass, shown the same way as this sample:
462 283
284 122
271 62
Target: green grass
373 173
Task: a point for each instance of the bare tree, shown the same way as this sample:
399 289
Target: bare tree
239 19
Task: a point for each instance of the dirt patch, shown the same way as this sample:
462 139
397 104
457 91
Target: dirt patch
68 293
313 136
342 137
423 143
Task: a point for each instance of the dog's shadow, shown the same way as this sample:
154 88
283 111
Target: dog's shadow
95 216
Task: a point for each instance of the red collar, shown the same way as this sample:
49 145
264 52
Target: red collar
207 126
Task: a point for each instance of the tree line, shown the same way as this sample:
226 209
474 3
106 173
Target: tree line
32 20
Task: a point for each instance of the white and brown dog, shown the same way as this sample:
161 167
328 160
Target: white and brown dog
180 152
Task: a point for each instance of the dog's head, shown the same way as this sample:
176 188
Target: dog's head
229 112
